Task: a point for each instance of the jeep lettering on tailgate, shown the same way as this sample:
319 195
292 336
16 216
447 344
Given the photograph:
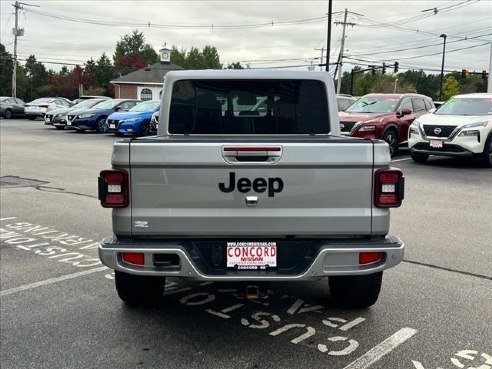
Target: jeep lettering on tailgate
244 185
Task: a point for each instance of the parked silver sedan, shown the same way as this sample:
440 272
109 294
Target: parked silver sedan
11 107
39 107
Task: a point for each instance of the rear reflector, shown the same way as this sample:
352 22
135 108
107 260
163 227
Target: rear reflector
389 188
137 258
369 257
113 188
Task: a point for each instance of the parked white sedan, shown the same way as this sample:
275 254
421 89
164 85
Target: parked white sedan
462 127
39 107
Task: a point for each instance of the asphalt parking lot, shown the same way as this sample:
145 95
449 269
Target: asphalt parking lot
59 308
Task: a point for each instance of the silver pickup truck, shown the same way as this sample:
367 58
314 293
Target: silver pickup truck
250 180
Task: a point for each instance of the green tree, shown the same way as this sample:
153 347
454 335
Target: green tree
451 87
133 53
38 78
208 58
6 67
104 72
236 65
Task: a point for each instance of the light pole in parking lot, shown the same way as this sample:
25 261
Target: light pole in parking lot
442 65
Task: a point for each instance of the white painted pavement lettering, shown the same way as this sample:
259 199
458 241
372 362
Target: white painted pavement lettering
463 359
50 281
335 346
384 348
50 243
223 313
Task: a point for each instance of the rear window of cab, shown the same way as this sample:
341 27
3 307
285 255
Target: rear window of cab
248 107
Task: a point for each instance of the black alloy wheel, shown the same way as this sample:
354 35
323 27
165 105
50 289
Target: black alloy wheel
8 114
101 125
392 140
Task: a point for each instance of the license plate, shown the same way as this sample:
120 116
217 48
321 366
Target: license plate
251 255
48 119
69 123
437 144
112 126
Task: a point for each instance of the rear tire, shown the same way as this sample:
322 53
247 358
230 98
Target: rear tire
359 291
137 290
487 153
419 158
8 114
391 138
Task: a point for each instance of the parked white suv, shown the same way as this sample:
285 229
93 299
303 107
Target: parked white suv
462 127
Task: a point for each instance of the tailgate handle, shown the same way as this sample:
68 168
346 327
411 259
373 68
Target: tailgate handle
252 154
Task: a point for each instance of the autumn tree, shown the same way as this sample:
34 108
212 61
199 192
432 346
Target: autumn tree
451 87
133 53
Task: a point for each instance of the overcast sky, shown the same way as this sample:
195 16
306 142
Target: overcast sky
261 33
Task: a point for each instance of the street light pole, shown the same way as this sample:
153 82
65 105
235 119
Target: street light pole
442 65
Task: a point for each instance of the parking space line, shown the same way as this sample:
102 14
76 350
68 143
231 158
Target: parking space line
50 281
385 347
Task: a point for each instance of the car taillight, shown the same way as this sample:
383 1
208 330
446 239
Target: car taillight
389 188
113 188
44 106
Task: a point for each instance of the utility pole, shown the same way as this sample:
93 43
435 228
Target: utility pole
322 55
17 32
340 59
489 83
328 36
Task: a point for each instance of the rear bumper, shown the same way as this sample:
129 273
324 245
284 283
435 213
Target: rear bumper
333 257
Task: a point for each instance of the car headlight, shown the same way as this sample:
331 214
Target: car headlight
377 120
130 120
476 124
414 128
367 128
86 115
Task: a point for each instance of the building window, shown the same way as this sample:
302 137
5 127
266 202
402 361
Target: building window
146 94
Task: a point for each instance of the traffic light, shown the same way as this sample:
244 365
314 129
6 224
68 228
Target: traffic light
484 74
396 67
384 68
464 73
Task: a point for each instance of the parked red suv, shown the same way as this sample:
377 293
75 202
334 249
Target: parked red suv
384 116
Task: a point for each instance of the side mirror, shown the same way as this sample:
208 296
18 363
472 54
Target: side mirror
405 111
118 108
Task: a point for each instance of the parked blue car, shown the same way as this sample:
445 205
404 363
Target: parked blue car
94 119
136 121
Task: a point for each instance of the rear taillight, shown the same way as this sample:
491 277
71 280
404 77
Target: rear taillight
44 106
113 188
389 188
